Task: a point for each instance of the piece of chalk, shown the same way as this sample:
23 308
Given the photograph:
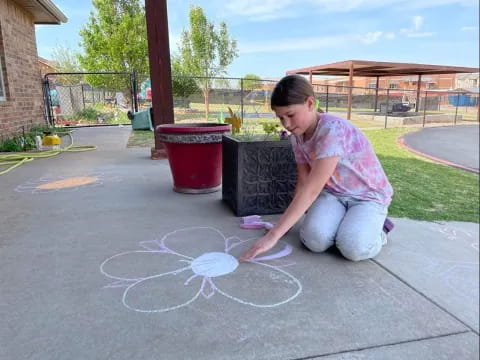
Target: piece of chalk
268 226
252 226
251 219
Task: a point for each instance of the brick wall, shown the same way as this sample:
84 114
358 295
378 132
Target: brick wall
21 74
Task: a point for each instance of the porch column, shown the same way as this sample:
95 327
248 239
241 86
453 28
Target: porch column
160 72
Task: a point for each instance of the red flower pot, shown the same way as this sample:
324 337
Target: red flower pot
195 155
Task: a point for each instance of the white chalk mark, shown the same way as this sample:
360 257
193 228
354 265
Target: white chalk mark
299 289
214 264
208 266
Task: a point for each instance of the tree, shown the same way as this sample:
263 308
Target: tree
182 84
66 60
251 82
206 52
114 39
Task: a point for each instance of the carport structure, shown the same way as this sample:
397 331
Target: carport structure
377 69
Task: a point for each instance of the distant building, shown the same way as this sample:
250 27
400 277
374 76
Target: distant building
467 81
46 66
444 81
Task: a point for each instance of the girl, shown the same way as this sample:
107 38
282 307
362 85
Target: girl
340 180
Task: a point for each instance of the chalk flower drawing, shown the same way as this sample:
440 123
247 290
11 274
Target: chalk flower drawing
174 271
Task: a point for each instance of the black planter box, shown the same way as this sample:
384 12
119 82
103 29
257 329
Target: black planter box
258 177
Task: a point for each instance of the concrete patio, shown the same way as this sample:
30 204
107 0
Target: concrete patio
101 271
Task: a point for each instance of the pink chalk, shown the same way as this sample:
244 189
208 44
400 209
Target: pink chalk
255 222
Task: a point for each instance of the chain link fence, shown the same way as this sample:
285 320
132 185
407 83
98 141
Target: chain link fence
199 99
89 98
105 98
387 108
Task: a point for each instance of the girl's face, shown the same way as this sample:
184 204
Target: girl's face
299 119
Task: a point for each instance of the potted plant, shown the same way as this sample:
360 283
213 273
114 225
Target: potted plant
259 171
195 155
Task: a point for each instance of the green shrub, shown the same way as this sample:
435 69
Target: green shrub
21 143
11 145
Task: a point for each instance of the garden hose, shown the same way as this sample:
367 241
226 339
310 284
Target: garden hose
17 159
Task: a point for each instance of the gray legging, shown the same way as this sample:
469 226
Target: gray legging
354 226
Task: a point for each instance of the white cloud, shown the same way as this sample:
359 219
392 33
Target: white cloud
261 11
390 35
469 28
417 35
266 10
371 37
282 45
413 31
417 22
313 43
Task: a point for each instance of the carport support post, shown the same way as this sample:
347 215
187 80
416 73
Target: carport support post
419 82
456 109
310 77
425 108
160 71
326 100
350 84
386 109
376 93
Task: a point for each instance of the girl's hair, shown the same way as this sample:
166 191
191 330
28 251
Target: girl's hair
291 90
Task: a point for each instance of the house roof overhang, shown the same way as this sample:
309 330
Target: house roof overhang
43 11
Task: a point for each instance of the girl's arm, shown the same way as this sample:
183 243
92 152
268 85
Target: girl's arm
302 174
309 186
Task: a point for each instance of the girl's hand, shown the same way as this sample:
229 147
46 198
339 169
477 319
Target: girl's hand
262 245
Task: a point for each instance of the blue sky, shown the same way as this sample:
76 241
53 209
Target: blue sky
278 35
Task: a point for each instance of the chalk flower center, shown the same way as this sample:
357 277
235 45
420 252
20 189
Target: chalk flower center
214 264
68 183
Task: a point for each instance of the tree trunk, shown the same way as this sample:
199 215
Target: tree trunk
206 94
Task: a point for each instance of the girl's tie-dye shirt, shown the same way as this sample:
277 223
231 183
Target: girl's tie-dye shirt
358 173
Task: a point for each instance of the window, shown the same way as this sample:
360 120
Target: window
3 96
372 85
393 86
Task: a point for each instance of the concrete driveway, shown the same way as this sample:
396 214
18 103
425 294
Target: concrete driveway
121 268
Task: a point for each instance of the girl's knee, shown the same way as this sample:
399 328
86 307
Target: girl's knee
315 239
355 250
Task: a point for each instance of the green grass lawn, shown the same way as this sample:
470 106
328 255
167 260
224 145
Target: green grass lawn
423 190
141 138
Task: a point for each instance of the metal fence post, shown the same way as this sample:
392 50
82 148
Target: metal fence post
456 109
83 98
386 108
326 105
241 97
132 97
135 89
425 107
47 101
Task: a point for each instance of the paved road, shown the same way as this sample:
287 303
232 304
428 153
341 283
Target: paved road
456 144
